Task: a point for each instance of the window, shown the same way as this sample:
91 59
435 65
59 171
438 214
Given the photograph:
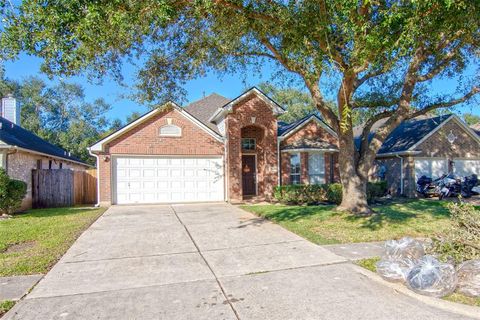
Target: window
248 144
316 168
50 164
170 130
295 168
61 165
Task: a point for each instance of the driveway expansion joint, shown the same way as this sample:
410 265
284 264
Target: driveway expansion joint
208 265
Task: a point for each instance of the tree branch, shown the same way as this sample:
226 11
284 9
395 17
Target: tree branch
446 104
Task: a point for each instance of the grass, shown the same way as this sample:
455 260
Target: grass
369 264
323 225
5 306
32 242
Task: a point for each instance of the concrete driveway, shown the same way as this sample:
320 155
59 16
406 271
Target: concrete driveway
207 261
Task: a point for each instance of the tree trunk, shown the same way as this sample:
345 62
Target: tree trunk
354 183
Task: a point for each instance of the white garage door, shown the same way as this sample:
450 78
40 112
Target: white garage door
167 179
465 168
429 167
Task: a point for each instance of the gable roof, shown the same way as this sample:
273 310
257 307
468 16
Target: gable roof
285 129
410 133
277 109
18 137
204 108
98 146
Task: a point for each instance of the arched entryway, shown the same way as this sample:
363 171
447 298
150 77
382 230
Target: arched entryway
253 159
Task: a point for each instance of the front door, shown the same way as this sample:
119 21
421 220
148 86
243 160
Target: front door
249 175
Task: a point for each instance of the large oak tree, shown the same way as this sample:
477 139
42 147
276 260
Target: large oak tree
381 56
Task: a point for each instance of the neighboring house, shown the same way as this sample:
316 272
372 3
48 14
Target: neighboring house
21 151
217 149
427 146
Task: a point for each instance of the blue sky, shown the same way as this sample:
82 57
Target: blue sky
228 86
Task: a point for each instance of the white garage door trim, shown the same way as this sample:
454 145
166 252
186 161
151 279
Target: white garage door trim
431 167
167 179
473 166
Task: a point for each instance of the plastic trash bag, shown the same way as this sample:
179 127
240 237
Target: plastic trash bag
394 271
405 248
432 278
468 274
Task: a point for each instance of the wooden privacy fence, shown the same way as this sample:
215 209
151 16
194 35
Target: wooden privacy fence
63 187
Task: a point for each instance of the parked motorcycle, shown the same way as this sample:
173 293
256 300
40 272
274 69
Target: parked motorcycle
447 186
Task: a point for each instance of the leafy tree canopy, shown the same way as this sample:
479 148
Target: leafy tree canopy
380 57
59 114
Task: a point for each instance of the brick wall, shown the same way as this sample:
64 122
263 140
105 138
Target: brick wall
145 139
310 131
267 168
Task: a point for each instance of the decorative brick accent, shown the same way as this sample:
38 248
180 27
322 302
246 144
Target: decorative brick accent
265 123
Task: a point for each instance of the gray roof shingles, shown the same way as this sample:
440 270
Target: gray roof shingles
407 134
204 108
14 135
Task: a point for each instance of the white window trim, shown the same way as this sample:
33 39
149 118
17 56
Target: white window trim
310 175
170 134
299 174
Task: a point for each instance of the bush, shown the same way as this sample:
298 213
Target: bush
315 193
12 193
334 193
376 190
462 241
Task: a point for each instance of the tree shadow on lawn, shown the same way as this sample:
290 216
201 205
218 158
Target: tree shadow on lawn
401 213
295 213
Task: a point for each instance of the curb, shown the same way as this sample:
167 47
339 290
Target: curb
468 311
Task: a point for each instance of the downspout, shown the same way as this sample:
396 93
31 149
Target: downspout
226 168
279 164
401 174
98 176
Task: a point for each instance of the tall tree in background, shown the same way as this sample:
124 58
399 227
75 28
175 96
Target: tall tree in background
380 57
59 114
298 103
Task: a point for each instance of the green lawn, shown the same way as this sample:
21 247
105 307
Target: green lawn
32 242
322 225
5 306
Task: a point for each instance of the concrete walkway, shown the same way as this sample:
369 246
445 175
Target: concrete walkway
208 262
357 251
14 288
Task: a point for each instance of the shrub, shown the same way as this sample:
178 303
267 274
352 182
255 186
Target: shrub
12 193
462 241
315 193
334 193
376 189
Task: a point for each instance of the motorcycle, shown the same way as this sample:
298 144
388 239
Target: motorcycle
447 186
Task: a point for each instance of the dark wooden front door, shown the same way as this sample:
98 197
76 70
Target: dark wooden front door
249 175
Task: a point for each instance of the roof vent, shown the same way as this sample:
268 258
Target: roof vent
11 109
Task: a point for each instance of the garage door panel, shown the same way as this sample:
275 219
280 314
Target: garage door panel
464 167
156 180
430 167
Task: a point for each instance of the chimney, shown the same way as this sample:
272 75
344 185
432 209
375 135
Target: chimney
11 109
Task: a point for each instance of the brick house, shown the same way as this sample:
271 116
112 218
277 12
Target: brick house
430 146
21 151
217 149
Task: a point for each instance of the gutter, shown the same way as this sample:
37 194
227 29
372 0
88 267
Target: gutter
400 153
98 176
44 154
